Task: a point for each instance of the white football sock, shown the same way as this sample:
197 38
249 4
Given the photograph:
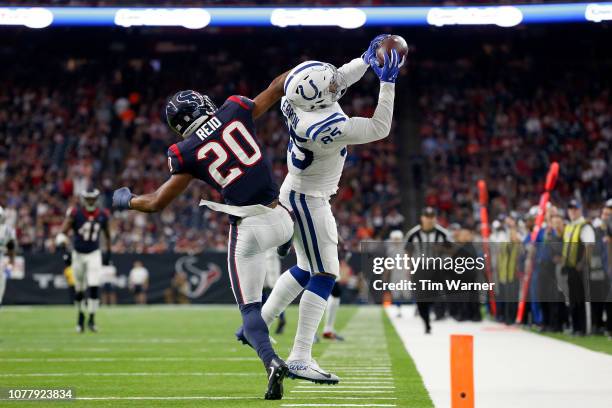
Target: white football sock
284 292
92 305
312 307
333 303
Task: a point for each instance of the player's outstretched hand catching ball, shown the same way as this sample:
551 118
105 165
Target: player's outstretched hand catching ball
374 45
390 69
121 198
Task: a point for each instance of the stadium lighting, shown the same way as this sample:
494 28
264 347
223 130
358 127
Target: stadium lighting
340 17
192 18
598 12
35 17
344 17
504 16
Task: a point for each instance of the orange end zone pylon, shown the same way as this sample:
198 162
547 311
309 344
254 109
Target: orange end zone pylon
462 371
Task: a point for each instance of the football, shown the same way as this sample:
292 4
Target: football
395 42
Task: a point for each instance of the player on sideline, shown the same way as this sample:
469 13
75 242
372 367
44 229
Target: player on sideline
220 147
8 241
319 133
87 222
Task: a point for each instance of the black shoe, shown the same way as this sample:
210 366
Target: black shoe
277 371
282 322
91 325
284 249
428 330
81 323
241 337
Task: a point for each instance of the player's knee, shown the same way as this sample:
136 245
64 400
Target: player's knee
336 290
94 292
300 275
321 284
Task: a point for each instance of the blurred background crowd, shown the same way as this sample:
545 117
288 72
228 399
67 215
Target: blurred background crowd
90 113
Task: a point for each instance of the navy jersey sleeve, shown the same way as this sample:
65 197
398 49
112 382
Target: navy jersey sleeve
176 162
242 101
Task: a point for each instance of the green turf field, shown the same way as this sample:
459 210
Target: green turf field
187 356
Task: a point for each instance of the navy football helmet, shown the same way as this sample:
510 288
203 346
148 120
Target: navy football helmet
186 110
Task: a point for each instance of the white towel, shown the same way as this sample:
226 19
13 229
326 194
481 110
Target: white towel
238 211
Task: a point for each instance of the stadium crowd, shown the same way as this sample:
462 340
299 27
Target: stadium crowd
88 121
506 123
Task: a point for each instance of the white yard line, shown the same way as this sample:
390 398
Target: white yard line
338 405
331 391
114 359
364 366
209 398
140 374
512 367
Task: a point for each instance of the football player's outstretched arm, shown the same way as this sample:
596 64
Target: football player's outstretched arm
359 130
355 69
123 198
272 94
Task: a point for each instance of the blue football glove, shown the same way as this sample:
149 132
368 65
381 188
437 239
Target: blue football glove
374 44
390 69
121 198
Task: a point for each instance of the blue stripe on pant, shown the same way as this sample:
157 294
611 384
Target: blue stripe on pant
313 235
298 217
231 265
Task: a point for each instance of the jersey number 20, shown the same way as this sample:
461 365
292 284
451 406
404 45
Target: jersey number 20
222 156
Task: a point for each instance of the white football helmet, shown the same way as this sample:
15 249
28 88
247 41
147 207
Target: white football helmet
314 85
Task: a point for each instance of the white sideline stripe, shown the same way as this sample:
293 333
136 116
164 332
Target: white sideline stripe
338 405
111 359
553 373
145 374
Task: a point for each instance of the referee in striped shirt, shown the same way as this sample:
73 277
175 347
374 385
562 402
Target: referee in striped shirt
428 231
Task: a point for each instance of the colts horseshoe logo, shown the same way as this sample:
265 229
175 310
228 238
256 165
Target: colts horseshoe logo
314 87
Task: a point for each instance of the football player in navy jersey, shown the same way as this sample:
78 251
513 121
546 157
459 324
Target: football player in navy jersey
220 147
87 222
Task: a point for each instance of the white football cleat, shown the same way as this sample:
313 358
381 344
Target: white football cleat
310 371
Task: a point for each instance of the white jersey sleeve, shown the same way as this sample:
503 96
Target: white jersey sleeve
353 71
337 129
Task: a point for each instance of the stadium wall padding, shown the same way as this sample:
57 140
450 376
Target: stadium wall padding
206 276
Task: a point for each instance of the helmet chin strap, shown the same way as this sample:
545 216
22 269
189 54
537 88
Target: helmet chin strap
196 123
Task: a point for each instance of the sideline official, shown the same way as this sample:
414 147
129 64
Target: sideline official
428 231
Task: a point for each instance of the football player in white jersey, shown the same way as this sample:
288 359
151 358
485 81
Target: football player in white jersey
319 133
8 241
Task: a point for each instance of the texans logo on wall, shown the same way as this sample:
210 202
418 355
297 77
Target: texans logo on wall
199 279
